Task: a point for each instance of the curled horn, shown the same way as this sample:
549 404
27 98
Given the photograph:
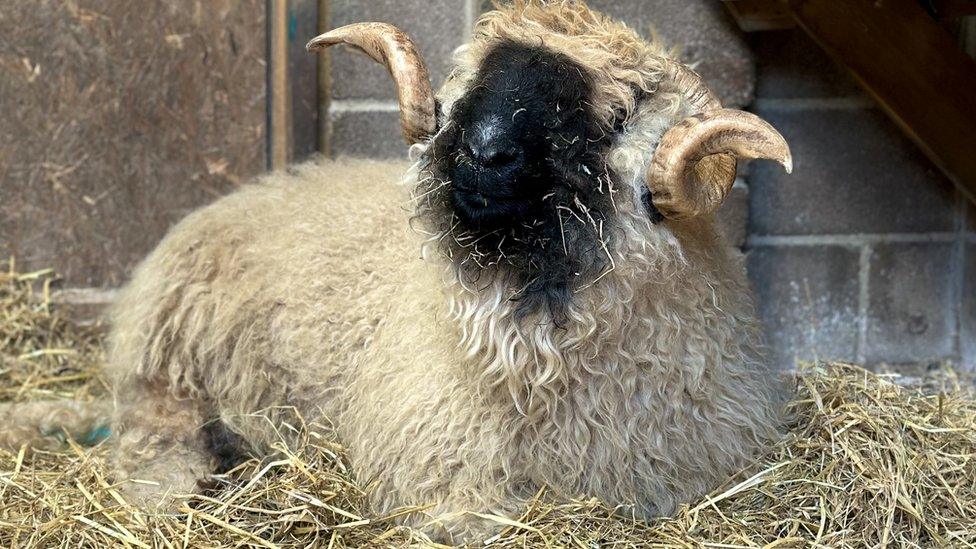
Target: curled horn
393 49
688 81
694 166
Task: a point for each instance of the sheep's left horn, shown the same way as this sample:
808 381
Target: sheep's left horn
392 48
694 165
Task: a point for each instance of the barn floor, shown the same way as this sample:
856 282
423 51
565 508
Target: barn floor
866 462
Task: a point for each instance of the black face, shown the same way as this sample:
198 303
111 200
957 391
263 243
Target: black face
517 178
525 113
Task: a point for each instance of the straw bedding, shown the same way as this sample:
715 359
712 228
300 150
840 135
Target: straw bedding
866 462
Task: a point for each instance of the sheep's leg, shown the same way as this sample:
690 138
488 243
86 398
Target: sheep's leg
161 451
462 509
44 424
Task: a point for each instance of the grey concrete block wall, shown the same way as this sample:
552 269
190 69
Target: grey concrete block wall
789 65
854 172
911 303
808 300
372 133
861 185
438 26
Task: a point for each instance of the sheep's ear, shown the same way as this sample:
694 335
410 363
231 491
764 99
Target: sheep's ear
393 49
694 165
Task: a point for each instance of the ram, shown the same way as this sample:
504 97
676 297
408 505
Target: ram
545 302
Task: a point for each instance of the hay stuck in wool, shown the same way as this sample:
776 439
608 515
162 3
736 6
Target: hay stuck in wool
865 462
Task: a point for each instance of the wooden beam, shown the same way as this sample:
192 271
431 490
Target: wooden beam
953 9
760 15
912 67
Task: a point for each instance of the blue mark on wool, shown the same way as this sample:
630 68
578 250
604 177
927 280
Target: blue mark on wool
91 438
96 436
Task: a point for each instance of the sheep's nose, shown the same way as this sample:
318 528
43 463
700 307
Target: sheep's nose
491 144
492 154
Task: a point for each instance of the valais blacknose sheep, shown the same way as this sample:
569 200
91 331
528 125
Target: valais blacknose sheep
545 302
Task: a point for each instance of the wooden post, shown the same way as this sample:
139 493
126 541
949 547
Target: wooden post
279 127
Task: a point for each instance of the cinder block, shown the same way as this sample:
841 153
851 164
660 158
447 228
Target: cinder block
367 134
910 313
790 65
807 299
854 172
708 37
437 26
733 216
967 332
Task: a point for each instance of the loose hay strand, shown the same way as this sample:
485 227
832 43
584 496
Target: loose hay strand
865 462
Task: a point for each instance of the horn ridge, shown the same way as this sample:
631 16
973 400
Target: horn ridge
692 84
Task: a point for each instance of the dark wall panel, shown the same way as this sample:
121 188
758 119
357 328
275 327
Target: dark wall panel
117 117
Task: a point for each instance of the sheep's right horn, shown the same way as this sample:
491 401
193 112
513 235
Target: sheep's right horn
392 48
